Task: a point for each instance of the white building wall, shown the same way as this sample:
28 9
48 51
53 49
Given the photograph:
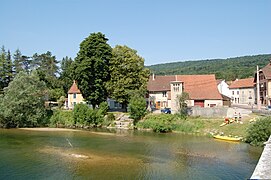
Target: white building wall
216 103
223 88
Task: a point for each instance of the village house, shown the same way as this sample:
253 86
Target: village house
243 91
223 88
74 96
265 84
202 90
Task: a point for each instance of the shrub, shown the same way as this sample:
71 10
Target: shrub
259 132
80 113
137 108
109 119
103 108
62 117
158 123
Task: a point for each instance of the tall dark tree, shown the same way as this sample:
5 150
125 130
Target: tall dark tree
66 73
9 69
128 75
2 69
17 60
47 68
91 68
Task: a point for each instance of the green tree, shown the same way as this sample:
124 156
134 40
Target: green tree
66 73
182 99
2 68
23 102
9 69
47 67
91 68
259 132
17 60
128 74
137 108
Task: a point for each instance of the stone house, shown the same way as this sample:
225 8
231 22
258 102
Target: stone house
74 96
202 90
243 91
265 84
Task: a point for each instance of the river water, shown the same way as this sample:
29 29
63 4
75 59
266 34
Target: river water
121 155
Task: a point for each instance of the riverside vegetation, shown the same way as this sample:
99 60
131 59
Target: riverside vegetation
101 72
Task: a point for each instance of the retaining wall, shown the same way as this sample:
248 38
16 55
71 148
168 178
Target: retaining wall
263 168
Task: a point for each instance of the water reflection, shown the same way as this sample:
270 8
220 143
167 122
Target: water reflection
121 155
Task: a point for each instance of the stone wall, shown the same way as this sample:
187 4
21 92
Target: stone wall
209 112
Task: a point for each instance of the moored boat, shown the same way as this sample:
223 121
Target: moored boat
227 138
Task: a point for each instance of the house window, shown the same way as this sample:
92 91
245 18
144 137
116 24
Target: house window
237 92
165 94
232 92
176 87
74 95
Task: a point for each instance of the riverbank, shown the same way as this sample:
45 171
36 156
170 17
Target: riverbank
49 129
196 125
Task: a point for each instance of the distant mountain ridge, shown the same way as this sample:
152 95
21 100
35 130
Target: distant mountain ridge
229 69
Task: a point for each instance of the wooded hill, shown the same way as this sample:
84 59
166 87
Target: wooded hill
229 69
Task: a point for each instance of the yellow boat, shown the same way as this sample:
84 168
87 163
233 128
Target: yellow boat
226 138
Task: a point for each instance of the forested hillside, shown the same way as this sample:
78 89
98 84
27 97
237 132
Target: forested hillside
229 69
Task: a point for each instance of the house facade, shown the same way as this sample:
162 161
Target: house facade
74 96
223 88
243 91
265 84
202 90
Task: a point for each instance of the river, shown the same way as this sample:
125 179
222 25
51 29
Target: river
121 155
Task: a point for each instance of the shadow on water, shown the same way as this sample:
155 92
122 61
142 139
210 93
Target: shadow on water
121 155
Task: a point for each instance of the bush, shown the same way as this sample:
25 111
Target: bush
158 123
137 108
84 115
170 122
259 132
103 108
62 117
80 114
109 119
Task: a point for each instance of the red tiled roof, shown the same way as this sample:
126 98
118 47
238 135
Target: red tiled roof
160 83
242 83
267 71
197 86
74 89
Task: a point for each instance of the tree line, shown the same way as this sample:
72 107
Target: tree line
228 69
99 70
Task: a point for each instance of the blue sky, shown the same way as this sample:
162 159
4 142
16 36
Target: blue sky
160 30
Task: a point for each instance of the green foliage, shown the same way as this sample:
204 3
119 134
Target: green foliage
81 114
229 69
103 108
137 108
128 74
62 117
23 102
91 68
158 123
170 122
84 115
182 99
66 74
6 72
56 93
259 132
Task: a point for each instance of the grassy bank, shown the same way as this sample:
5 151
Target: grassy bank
195 125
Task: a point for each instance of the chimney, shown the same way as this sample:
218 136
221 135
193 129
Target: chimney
153 76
